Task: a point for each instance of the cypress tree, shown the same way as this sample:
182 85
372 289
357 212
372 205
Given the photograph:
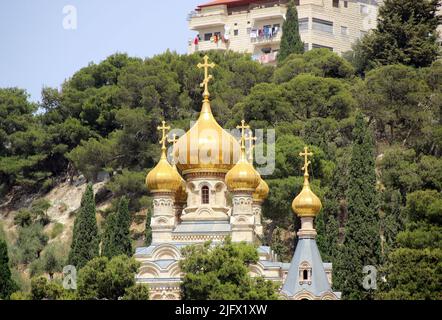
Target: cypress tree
85 240
117 239
148 231
7 285
362 240
291 40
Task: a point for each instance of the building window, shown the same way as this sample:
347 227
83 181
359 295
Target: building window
207 36
364 9
235 32
344 30
306 47
305 273
303 24
335 3
205 195
322 25
319 46
296 2
345 4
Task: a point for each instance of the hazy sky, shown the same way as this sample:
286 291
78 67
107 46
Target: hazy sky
36 50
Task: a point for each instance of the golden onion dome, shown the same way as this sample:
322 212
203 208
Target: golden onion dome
306 204
262 191
163 178
206 146
243 176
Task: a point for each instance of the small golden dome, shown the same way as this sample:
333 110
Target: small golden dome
243 176
306 204
262 191
163 178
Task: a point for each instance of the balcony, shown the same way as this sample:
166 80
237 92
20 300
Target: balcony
198 21
206 46
267 40
266 58
267 12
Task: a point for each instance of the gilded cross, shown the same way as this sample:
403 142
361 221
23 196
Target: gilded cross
306 154
163 128
251 140
206 65
243 128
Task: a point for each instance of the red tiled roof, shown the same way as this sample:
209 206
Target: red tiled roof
226 2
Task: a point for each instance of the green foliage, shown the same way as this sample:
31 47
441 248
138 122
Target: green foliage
102 278
30 242
85 238
116 239
130 183
318 62
42 289
362 239
221 273
56 230
7 285
406 33
92 156
291 40
137 292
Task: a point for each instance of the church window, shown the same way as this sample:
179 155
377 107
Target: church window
205 195
305 273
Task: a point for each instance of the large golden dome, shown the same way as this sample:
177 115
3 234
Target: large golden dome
306 204
206 147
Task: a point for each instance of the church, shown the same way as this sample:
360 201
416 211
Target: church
210 190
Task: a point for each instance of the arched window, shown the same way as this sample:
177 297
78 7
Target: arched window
305 275
205 195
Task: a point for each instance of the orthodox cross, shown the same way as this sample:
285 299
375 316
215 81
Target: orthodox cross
243 128
307 162
251 140
206 65
163 128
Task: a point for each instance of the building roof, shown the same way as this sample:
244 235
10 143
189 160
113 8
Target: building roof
229 3
306 251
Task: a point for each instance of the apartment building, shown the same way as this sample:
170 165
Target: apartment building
255 26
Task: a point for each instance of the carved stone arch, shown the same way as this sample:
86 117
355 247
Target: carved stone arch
166 252
149 270
256 271
174 270
328 296
304 295
161 220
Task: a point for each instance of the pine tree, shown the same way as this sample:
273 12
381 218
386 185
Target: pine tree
291 40
406 34
85 240
7 285
362 240
117 239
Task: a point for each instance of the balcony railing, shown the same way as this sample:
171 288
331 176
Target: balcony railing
265 12
197 20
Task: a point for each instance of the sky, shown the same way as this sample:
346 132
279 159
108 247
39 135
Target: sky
42 44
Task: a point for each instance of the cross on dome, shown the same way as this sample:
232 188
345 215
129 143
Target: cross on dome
206 65
307 162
